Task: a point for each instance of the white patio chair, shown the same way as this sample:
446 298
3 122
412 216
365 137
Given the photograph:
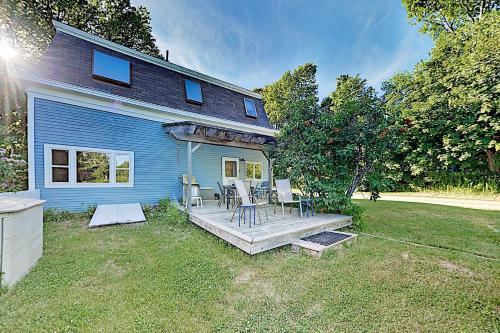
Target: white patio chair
195 197
248 186
246 201
285 196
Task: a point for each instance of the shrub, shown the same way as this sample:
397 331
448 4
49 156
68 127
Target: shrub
164 211
13 172
341 204
53 215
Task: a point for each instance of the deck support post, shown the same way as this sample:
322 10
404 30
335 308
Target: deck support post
190 174
270 177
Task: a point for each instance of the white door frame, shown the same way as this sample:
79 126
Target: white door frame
227 180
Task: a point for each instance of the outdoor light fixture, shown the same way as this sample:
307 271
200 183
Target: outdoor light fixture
7 51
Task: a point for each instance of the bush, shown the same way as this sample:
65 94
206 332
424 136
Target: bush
13 172
341 204
164 211
52 215
449 181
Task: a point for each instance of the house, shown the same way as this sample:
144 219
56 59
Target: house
111 125
108 124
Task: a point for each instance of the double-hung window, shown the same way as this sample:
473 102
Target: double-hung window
254 170
68 166
59 168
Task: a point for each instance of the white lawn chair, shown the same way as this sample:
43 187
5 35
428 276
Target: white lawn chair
248 186
285 196
247 202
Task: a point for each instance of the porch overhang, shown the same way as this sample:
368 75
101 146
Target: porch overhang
215 135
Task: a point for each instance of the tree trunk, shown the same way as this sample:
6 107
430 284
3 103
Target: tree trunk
490 156
354 184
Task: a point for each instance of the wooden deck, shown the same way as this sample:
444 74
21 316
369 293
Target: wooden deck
279 230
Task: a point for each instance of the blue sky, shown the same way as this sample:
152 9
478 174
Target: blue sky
252 43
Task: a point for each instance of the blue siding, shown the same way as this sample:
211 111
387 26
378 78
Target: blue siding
159 159
207 163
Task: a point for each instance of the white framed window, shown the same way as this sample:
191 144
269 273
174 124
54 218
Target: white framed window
254 170
230 169
69 166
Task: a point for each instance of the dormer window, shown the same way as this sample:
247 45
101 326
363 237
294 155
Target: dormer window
193 92
111 68
250 109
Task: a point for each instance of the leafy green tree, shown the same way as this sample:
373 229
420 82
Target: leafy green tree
437 16
114 20
292 87
471 62
25 27
358 133
328 151
448 106
27 24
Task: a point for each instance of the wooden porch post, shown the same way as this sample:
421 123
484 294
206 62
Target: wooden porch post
190 173
270 177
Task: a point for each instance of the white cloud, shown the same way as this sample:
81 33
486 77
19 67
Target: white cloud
408 53
252 48
202 38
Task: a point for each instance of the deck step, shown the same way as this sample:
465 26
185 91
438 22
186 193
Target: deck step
318 243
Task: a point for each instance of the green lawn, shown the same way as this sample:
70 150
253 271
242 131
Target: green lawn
174 277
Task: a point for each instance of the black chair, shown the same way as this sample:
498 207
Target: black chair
261 190
222 198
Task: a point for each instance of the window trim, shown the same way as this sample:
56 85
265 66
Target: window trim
227 180
261 170
52 165
72 167
254 104
192 101
107 79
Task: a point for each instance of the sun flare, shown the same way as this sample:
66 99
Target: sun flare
7 51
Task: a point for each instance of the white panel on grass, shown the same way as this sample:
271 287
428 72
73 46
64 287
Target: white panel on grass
117 214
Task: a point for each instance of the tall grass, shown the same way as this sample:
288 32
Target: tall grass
453 182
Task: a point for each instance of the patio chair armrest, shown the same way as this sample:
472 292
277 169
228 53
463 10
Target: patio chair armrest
250 197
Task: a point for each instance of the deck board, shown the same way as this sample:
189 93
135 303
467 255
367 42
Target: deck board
277 231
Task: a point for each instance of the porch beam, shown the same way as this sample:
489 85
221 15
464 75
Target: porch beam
236 144
201 133
195 148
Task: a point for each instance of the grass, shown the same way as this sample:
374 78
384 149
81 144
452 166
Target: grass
455 194
172 276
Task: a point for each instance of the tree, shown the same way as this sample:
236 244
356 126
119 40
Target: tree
358 132
328 151
27 24
437 16
292 87
25 27
471 59
114 20
448 106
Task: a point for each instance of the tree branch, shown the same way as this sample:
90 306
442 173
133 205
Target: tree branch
446 24
481 8
468 11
